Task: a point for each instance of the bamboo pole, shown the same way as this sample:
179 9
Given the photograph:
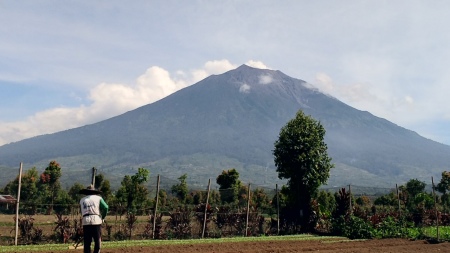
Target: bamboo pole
278 210
248 210
206 208
17 205
156 206
435 209
398 200
93 176
350 195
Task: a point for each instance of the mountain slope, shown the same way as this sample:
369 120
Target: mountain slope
232 120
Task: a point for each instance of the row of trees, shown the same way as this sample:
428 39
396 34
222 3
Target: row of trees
43 192
300 156
410 198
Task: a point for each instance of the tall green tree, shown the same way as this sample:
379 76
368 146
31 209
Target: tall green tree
387 200
301 157
181 189
229 185
49 185
260 200
327 202
103 184
133 194
214 198
414 189
444 187
29 190
74 191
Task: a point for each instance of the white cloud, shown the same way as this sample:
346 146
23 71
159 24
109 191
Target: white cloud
211 68
355 93
367 96
256 64
324 83
265 79
111 99
245 88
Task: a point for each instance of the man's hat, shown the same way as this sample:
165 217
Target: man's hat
90 190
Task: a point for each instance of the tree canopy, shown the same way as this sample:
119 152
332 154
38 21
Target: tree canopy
301 157
229 184
181 190
132 193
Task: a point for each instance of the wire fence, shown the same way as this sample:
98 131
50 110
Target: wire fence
171 219
252 213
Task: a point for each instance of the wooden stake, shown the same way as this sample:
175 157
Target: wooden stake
435 209
156 207
350 195
93 176
248 210
17 205
206 208
398 200
278 210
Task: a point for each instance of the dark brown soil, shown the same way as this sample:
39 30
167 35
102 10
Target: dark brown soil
385 246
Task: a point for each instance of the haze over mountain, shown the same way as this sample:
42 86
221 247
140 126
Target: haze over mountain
232 121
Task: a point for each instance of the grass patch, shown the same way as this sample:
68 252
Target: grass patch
132 243
344 240
444 232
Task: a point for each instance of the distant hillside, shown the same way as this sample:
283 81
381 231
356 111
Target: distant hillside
232 121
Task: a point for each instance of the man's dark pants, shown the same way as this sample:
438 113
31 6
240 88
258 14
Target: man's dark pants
92 232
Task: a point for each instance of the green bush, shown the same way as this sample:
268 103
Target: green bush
358 228
352 227
389 228
338 226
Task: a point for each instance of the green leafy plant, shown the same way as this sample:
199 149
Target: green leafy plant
28 233
352 227
179 223
63 229
130 223
389 228
357 228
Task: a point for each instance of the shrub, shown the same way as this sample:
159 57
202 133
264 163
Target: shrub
339 225
179 224
389 228
28 233
130 223
352 227
63 230
357 228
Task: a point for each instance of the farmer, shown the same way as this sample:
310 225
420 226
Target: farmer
94 210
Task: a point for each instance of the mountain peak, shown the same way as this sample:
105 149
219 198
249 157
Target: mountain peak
243 66
231 121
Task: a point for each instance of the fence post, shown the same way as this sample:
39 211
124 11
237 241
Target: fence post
350 194
435 209
248 210
17 204
278 210
156 207
93 176
398 200
206 208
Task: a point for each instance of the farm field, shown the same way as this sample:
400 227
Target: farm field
265 245
48 223
388 245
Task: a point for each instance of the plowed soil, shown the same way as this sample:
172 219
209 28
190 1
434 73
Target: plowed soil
385 246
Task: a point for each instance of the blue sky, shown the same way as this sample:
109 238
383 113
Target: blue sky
65 64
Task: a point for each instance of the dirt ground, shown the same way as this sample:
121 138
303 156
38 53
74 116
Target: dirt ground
385 246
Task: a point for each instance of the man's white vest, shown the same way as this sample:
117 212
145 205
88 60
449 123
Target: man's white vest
90 209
